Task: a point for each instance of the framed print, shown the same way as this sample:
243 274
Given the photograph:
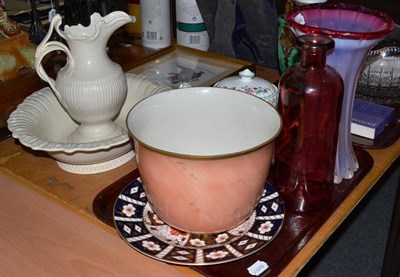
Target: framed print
180 65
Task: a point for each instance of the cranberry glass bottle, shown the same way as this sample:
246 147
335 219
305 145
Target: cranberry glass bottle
311 95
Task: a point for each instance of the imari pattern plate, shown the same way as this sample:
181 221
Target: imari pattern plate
140 227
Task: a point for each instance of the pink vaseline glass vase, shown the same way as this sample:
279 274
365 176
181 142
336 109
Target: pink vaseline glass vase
356 30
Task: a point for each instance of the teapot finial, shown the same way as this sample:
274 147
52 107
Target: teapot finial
246 74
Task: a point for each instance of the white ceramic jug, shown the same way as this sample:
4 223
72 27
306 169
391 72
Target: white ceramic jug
91 87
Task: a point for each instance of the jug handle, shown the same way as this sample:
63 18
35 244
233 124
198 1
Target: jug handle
46 47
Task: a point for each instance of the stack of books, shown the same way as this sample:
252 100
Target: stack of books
370 119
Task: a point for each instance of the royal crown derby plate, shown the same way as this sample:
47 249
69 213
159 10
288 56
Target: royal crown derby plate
140 227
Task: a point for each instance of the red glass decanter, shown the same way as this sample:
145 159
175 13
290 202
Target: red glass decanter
311 94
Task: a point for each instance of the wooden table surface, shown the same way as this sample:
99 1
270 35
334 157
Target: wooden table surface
47 225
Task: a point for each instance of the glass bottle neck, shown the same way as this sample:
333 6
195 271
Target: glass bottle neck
313 56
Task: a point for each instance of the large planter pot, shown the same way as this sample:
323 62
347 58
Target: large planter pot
203 155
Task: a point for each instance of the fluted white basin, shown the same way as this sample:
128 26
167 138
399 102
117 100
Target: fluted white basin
41 123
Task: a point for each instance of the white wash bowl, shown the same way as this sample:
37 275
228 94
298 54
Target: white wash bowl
41 123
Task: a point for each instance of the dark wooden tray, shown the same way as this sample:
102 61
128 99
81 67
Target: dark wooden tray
296 231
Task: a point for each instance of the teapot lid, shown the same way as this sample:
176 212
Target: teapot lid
245 81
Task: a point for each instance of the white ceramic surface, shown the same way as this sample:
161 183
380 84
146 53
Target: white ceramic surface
91 87
247 82
41 123
182 120
203 155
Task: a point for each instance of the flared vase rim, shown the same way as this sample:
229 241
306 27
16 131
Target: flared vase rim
343 34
